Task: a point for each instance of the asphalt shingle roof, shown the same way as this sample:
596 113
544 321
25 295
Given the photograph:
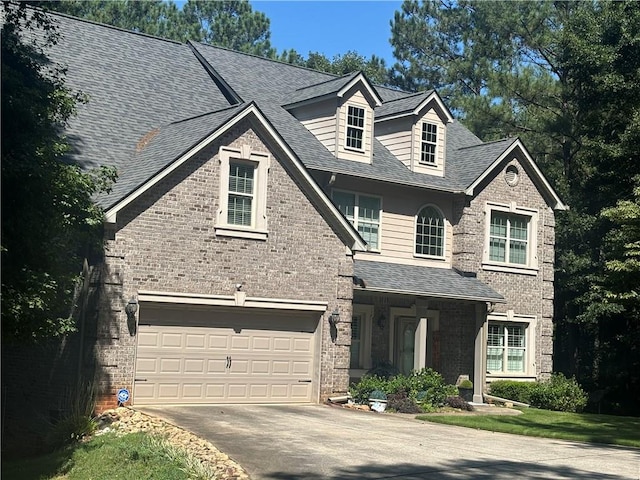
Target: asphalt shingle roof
401 105
422 281
142 88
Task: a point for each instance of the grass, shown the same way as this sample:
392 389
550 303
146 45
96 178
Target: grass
582 427
137 455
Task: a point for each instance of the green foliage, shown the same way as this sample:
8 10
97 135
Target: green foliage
512 390
560 394
377 395
49 220
426 387
401 403
466 384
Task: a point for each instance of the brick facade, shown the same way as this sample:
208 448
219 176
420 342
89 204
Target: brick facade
525 294
165 241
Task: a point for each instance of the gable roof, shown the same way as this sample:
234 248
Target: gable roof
332 87
411 105
151 101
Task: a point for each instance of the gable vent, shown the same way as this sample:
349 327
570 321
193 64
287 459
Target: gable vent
511 175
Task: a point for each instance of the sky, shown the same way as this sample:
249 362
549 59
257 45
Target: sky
331 27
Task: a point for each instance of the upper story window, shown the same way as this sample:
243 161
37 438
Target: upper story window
243 193
510 243
428 143
363 212
508 238
355 127
430 232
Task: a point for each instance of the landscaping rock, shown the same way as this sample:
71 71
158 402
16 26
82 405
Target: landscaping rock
127 420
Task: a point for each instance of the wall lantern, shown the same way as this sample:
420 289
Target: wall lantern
381 321
334 318
131 308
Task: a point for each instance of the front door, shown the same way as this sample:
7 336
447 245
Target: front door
405 344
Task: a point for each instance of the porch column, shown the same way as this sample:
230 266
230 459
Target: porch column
420 350
479 359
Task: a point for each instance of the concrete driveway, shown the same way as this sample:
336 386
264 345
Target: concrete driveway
322 442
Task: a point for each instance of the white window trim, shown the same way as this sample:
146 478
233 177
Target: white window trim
355 215
444 233
531 268
346 127
530 324
435 144
261 160
366 311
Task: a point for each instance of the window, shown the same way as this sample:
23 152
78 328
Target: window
240 202
355 127
363 212
360 358
506 348
428 143
510 242
430 232
508 238
243 193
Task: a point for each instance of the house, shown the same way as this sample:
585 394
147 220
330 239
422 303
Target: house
275 232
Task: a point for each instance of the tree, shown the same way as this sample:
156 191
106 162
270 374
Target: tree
49 220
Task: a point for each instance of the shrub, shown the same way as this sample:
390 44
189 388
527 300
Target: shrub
361 391
466 384
459 402
401 403
377 395
512 390
559 393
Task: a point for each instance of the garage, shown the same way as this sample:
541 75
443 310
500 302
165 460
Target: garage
188 354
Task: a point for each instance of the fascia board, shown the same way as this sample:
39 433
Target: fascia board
539 177
416 111
361 78
251 109
418 293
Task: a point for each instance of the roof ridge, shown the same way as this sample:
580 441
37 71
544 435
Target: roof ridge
273 60
408 96
341 77
112 27
513 139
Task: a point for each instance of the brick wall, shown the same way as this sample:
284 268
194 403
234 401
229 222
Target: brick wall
165 241
525 294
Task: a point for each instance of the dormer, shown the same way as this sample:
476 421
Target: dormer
340 113
414 129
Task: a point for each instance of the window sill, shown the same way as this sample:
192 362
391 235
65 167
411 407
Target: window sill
239 232
502 267
430 257
355 150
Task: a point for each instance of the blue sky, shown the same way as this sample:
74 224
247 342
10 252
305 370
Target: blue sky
331 27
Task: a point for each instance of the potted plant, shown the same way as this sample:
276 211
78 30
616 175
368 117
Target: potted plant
465 390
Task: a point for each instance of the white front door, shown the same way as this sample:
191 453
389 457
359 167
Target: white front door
405 344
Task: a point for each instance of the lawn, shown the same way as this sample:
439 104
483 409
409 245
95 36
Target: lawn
582 427
134 456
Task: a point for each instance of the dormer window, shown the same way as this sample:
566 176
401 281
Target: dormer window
355 127
428 143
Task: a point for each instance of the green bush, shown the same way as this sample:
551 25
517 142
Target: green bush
559 393
425 387
512 390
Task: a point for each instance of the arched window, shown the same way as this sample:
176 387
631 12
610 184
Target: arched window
430 232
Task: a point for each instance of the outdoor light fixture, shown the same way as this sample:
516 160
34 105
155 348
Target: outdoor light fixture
131 308
334 318
381 320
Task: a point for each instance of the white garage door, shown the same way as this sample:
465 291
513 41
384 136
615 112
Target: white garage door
218 356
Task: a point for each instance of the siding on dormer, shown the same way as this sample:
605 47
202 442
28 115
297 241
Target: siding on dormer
320 119
355 97
396 136
438 169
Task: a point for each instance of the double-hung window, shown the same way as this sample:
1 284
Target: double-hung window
363 212
429 232
355 127
428 143
243 193
506 348
508 238
511 239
